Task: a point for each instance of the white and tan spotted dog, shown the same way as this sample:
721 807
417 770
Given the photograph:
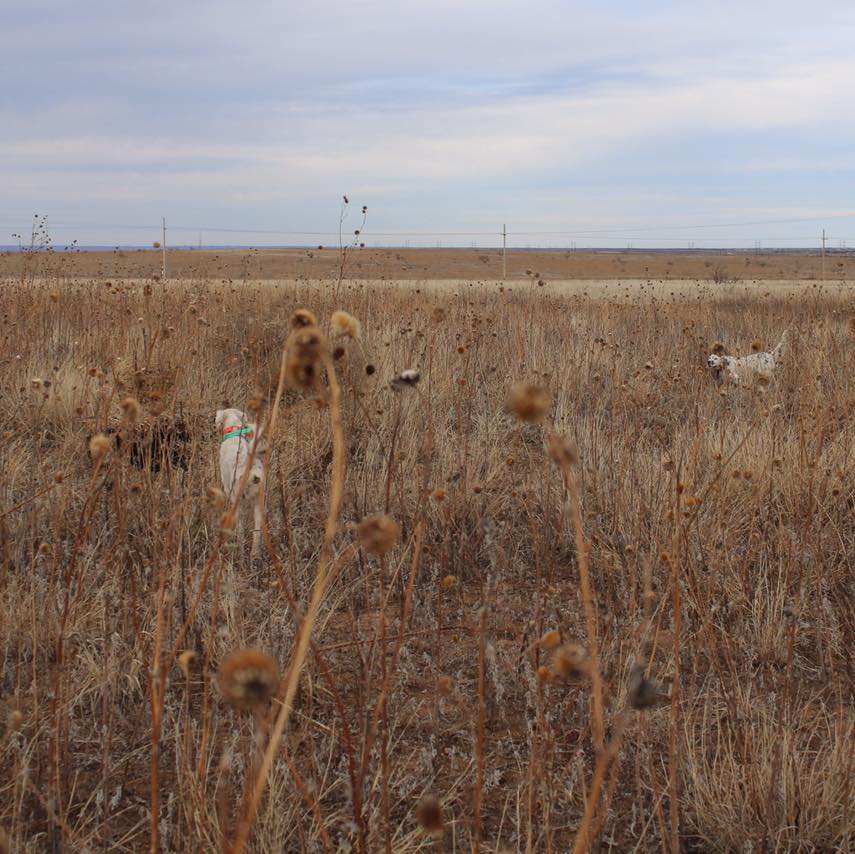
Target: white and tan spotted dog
745 370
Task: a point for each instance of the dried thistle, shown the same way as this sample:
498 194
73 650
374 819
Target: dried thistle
303 354
187 661
346 324
529 402
99 446
248 679
550 639
429 814
131 408
378 534
562 450
215 497
570 662
302 317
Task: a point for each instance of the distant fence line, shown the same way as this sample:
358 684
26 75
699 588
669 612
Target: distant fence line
710 236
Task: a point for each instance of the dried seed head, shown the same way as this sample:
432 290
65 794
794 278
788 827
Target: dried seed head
131 408
445 685
378 534
449 582
718 348
303 354
544 674
529 402
758 344
563 450
346 324
99 446
302 317
248 679
187 662
551 639
570 662
429 814
438 315
216 498
438 494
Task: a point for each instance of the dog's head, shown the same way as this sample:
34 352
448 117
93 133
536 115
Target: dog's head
232 417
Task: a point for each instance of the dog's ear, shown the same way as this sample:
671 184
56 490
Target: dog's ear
218 421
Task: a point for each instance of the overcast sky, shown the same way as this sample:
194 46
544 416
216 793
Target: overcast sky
609 122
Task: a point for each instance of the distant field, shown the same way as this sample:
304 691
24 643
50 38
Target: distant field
417 264
629 617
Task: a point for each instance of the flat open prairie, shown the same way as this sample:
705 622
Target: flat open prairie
431 264
610 608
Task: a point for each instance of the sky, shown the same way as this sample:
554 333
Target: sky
613 123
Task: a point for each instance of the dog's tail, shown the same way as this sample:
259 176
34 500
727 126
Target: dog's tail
782 344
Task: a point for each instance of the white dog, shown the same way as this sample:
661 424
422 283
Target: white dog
744 370
238 435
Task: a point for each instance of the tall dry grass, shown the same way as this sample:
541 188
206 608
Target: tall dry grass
448 696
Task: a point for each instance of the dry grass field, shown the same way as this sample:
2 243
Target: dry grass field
616 615
465 264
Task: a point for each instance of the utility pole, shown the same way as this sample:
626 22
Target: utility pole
504 252
163 250
823 255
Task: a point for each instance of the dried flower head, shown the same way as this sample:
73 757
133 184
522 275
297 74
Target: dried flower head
378 534
438 315
570 662
406 379
718 348
248 679
449 582
562 450
131 408
215 497
303 354
758 344
429 814
550 639
187 661
529 402
445 685
302 317
345 324
99 446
